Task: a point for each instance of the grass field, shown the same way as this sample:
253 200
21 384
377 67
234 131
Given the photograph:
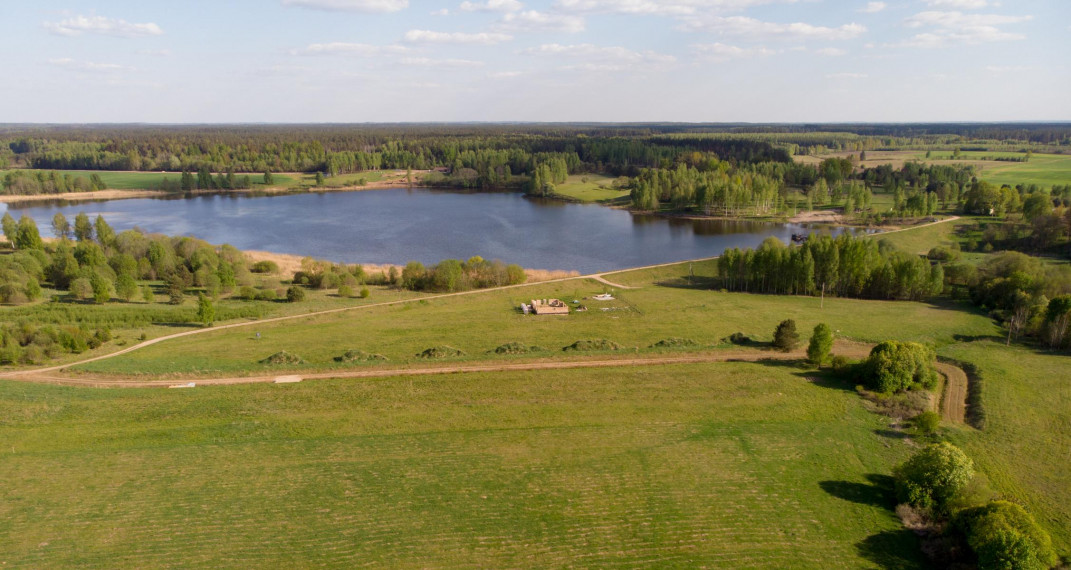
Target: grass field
152 180
590 188
739 465
480 322
1042 169
1025 449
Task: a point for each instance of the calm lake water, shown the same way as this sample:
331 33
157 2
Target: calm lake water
395 226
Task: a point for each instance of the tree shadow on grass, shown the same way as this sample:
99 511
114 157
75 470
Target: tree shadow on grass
878 492
892 550
891 434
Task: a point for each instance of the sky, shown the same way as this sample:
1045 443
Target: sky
356 61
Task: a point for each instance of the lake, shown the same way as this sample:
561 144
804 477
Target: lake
399 225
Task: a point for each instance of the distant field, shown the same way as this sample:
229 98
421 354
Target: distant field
736 465
153 180
590 188
1042 169
480 322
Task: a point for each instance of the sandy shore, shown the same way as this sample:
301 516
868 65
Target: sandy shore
288 264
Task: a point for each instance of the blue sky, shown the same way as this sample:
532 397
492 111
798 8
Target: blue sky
535 60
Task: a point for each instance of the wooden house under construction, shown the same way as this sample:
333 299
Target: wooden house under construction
549 307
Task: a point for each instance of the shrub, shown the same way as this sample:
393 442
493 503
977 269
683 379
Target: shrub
283 357
295 294
933 476
897 366
593 344
345 291
365 292
927 422
1003 535
359 356
737 338
821 344
674 342
443 351
785 337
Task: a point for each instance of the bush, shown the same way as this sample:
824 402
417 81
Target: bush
517 348
295 294
359 356
1004 536
933 476
443 351
283 357
593 344
738 338
821 344
927 422
674 342
345 291
785 337
365 292
897 366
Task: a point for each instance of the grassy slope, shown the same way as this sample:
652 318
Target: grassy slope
1042 169
1026 447
596 189
739 466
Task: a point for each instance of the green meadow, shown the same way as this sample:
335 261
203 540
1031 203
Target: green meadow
1042 169
590 188
735 465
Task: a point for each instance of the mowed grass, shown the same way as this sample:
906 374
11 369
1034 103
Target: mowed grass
479 322
732 465
1026 447
590 188
1042 169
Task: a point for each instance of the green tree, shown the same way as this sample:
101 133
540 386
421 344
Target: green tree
319 178
897 366
102 288
927 422
785 336
268 178
345 291
176 289
81 289
295 294
105 233
821 344
413 276
60 226
11 227
365 293
83 229
206 313
515 274
1004 537
126 287
26 236
147 294
933 476
188 181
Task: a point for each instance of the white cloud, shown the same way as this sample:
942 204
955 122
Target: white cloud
847 75
744 26
429 62
957 27
370 6
491 6
873 7
723 52
659 7
75 65
832 52
505 74
533 21
344 48
588 57
79 25
959 4
430 37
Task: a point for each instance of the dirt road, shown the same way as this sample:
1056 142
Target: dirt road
954 400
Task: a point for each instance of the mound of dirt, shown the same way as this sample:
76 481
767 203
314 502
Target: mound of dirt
441 352
593 344
359 356
517 348
283 357
675 342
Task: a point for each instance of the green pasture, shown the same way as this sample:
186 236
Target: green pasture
733 465
590 188
1042 169
153 180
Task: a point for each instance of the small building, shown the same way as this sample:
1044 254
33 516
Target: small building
549 307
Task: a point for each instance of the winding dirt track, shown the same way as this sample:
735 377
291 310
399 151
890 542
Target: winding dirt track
954 400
